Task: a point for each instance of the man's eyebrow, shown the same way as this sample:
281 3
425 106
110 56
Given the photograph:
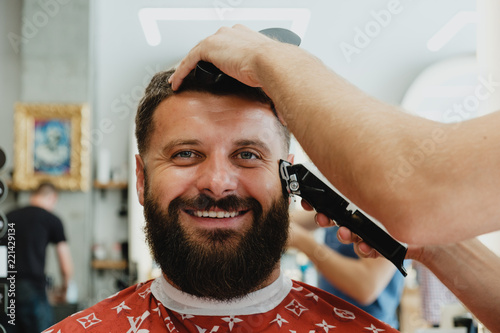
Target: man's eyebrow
256 143
180 142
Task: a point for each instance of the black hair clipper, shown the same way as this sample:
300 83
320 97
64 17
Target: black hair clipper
313 187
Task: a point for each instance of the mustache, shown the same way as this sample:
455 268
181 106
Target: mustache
205 202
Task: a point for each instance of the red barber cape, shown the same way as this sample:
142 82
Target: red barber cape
299 308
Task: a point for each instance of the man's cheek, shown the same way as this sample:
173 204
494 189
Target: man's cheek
164 189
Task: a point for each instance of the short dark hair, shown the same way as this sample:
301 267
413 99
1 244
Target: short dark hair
159 89
45 188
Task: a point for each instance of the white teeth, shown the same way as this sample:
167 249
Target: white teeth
213 214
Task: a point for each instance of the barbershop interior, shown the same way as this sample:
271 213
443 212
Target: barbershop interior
72 73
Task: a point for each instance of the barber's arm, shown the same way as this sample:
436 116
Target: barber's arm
361 279
468 268
65 264
366 147
471 271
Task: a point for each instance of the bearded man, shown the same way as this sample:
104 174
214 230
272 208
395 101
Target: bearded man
216 222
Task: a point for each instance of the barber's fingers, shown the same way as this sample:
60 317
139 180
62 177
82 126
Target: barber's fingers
306 205
321 219
362 249
345 236
229 49
186 65
206 50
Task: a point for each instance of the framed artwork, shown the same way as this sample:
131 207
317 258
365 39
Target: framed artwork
51 144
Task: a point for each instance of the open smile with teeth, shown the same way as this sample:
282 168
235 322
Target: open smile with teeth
214 214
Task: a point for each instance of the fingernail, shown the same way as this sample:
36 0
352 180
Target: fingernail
339 237
363 251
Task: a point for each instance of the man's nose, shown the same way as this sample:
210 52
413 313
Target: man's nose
217 177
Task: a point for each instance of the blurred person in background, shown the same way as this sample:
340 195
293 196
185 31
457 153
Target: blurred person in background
373 285
36 226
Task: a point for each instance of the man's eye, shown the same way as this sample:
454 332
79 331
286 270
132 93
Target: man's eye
184 154
246 155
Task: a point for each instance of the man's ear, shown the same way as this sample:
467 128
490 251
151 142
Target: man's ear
139 173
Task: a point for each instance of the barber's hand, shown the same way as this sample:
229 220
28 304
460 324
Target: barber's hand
59 295
345 236
232 50
321 219
364 250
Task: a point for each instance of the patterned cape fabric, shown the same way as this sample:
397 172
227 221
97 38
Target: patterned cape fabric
302 309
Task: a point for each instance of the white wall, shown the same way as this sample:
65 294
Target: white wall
10 70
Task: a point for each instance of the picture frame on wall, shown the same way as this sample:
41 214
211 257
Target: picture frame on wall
51 145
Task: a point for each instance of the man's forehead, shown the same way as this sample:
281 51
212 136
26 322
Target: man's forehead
215 108
193 115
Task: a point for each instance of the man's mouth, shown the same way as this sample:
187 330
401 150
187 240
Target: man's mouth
219 214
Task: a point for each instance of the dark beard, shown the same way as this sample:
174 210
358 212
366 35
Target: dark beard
229 264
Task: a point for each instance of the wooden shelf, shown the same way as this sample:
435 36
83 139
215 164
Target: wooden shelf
109 264
110 185
10 185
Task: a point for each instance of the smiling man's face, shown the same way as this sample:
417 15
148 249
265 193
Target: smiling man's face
209 183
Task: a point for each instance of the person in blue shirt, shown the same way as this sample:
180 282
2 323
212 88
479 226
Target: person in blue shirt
374 285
